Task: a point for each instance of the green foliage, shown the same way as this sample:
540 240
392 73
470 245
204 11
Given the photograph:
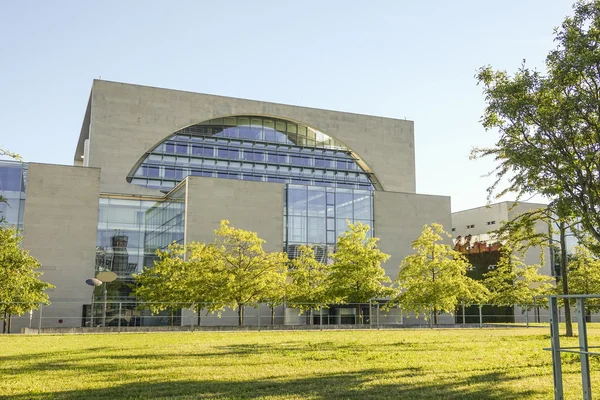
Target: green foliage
253 275
183 275
308 280
356 274
584 276
513 282
549 125
435 276
20 287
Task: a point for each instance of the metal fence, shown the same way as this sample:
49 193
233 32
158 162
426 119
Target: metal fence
134 316
582 318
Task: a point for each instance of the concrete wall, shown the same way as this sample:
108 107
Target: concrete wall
533 255
60 223
399 219
255 206
128 120
500 212
480 217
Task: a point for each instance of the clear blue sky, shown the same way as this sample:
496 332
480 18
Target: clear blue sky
401 59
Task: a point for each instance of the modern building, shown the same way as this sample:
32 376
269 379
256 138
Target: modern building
153 166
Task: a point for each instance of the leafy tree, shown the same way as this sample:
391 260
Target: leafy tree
20 287
356 273
513 282
163 284
549 124
307 289
524 232
252 274
584 276
434 279
185 276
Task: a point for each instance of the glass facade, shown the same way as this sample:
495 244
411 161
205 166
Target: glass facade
121 235
164 224
13 182
252 148
317 216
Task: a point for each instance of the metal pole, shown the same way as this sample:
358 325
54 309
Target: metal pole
480 316
321 318
40 319
463 313
535 310
119 321
555 341
586 385
104 307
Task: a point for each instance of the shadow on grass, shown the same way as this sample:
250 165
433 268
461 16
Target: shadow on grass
361 385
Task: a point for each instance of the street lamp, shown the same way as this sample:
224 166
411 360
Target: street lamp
93 282
105 277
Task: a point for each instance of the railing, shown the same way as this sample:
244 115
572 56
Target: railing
126 315
582 349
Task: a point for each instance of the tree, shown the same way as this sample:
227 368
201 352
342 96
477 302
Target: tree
184 276
522 233
549 124
584 276
20 287
434 279
513 282
308 277
356 273
252 273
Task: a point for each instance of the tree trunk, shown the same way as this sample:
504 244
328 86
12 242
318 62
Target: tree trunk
273 315
563 277
435 319
240 314
310 316
171 315
4 323
9 323
358 316
199 310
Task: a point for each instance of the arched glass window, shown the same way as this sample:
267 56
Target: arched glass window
252 148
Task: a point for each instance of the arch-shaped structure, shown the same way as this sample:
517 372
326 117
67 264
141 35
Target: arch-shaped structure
253 147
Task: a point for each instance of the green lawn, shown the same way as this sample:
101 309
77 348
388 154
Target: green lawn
389 364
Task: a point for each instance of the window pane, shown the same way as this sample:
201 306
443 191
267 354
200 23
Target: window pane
297 201
343 205
316 203
316 230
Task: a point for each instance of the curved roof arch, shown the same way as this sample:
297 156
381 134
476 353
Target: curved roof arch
250 132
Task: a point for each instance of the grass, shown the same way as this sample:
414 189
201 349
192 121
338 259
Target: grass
388 364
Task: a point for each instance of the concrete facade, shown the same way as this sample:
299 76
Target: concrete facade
127 120
483 220
399 220
123 122
60 227
254 206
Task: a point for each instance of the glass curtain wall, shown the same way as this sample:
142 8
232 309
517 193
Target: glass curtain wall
252 148
13 182
317 216
164 225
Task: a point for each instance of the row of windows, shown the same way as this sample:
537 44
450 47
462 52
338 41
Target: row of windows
178 144
166 184
263 130
259 170
343 162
